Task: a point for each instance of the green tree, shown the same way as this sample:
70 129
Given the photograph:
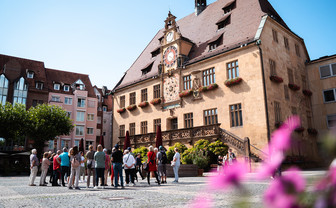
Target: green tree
218 148
170 153
143 151
46 122
13 123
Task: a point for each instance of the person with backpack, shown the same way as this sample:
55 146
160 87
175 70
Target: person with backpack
90 164
162 161
75 160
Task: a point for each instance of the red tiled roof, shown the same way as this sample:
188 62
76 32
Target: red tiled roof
245 20
58 76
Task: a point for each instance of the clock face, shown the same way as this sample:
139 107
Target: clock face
171 88
169 56
170 37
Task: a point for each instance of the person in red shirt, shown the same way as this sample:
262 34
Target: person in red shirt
152 165
56 168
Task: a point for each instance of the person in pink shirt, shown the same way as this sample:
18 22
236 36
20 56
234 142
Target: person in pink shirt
44 168
107 166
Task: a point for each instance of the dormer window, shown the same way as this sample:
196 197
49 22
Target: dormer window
223 22
147 68
215 42
155 52
79 85
57 86
39 85
229 6
30 74
66 88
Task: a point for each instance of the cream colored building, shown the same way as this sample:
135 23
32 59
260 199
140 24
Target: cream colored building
230 71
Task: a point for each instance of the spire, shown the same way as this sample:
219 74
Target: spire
200 5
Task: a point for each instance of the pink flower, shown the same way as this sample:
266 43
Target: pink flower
269 167
201 202
232 176
294 177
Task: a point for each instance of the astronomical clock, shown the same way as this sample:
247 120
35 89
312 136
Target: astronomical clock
171 88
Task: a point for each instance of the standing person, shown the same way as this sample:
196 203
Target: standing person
176 164
34 163
112 172
117 158
138 166
65 163
162 161
129 166
90 165
44 168
107 166
56 168
152 165
75 159
99 158
51 158
230 157
82 166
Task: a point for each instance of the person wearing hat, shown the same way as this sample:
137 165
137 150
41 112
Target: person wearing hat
107 166
117 159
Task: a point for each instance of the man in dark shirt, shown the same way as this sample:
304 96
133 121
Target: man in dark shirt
117 158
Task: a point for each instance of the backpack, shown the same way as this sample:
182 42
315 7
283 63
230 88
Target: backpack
75 163
164 159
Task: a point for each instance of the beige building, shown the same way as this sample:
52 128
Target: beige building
231 70
322 79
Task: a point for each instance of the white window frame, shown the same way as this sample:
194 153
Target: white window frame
89 133
329 127
66 88
81 102
30 75
69 99
334 90
39 84
89 116
330 69
82 118
78 126
55 100
57 86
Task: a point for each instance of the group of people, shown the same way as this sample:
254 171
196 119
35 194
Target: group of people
226 161
68 166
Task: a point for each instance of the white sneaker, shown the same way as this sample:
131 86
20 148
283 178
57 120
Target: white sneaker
96 187
134 184
103 187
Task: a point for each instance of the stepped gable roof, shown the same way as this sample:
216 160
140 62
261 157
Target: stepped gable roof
64 77
244 22
15 67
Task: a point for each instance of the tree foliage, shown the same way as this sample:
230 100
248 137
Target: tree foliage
170 153
143 151
13 122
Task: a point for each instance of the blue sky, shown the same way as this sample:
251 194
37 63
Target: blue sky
103 38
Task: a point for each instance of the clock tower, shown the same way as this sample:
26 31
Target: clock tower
175 50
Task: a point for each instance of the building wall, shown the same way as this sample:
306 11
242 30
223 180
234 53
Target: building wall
249 93
318 85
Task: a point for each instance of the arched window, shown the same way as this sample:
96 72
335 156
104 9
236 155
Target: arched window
3 89
20 91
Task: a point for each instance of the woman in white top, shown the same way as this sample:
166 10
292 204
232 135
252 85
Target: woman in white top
176 164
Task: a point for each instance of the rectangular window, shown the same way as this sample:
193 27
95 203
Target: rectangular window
39 85
286 43
81 103
51 144
79 130
297 50
331 121
188 120
122 130
66 88
236 115
105 108
57 86
210 116
132 129
91 104
156 89
328 70
309 120
226 21
55 99
157 122
272 67
87 144
329 95
98 119
277 112
68 101
144 95
30 75
132 98
232 69
286 92
275 35
89 131
290 76
187 84
304 82
144 127
80 116
174 124
65 143
68 114
294 111
209 77
90 117
122 101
